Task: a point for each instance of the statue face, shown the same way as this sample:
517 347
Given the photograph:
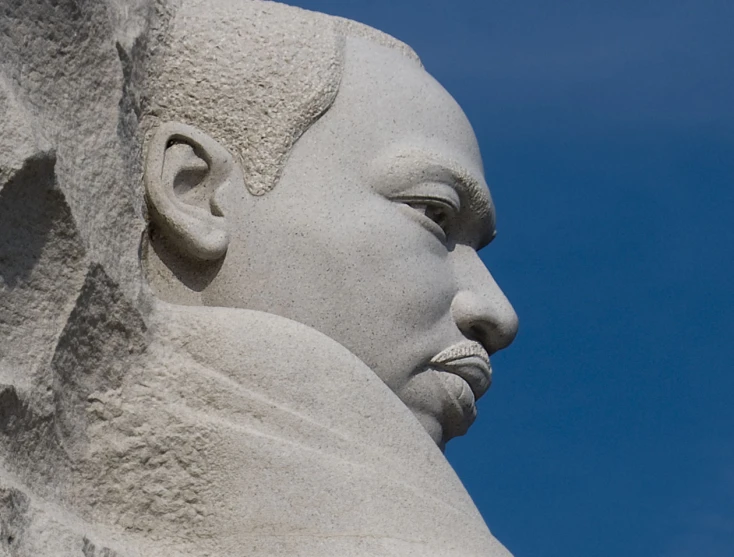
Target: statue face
370 237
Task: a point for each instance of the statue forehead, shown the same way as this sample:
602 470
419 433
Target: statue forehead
398 125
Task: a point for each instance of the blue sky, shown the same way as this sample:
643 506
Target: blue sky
607 130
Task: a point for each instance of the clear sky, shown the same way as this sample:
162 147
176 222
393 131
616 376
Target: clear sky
607 130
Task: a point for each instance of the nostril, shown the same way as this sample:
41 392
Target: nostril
492 336
476 333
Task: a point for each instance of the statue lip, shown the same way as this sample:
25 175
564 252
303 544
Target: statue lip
470 361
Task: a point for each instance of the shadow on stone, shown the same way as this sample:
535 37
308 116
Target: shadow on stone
29 205
103 336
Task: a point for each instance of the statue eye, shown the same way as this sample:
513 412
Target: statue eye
438 212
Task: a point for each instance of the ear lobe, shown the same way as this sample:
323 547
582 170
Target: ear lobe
185 170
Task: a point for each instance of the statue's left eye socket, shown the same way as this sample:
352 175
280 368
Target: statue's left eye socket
439 213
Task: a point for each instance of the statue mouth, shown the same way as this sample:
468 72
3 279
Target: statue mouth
469 361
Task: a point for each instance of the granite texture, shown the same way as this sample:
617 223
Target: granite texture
241 308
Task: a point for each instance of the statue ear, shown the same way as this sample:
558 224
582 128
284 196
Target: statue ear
185 171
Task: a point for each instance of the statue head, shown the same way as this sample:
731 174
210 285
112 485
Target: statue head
307 166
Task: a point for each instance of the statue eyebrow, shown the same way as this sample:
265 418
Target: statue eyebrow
417 164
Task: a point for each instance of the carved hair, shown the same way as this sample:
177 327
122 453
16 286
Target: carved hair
254 75
84 84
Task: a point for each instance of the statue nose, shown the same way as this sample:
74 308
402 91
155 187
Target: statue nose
483 313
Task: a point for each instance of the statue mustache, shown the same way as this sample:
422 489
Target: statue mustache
460 350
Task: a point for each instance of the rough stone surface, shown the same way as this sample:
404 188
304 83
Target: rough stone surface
241 309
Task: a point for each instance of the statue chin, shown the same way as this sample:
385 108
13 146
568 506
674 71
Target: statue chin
242 307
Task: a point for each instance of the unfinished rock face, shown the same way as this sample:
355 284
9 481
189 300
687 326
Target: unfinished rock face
203 349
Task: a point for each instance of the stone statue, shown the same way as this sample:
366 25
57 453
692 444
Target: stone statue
241 308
